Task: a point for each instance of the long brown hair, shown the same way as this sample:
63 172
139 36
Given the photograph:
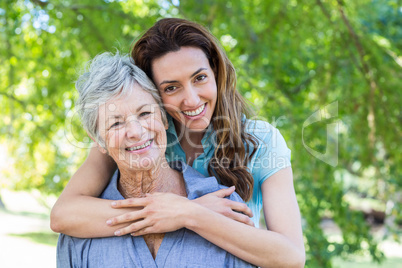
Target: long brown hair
234 147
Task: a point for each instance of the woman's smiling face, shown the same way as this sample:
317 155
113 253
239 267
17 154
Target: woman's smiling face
133 130
187 86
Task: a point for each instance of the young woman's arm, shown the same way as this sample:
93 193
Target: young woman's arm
280 246
77 212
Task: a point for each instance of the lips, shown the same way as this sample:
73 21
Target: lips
196 112
139 147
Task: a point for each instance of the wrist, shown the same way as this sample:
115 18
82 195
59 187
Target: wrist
194 217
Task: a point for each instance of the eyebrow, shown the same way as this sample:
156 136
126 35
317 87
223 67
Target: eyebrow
112 118
174 81
122 116
142 106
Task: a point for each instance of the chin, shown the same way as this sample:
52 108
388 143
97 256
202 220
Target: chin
198 126
147 162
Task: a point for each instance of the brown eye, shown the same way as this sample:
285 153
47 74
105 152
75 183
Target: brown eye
200 77
170 89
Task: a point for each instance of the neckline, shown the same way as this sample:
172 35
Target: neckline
163 251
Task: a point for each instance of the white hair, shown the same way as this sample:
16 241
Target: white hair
108 76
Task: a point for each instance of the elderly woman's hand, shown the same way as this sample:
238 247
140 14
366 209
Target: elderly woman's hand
159 213
235 210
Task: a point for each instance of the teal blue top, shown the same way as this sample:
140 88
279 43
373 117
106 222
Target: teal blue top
272 155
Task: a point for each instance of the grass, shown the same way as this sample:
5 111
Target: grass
387 263
45 238
35 228
29 214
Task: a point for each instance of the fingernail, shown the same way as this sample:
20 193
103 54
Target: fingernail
109 222
117 233
232 187
114 204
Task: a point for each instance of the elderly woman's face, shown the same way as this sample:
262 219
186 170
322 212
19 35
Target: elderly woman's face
133 130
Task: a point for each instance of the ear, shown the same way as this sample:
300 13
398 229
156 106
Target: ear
100 148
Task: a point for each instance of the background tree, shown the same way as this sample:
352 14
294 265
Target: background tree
293 58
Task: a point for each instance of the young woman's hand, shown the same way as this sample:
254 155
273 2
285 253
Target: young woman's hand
158 213
167 212
235 210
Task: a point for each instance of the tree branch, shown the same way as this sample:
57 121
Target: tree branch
80 7
39 3
355 39
324 10
13 98
178 8
94 30
367 74
295 90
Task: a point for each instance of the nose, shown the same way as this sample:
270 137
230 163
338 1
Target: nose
191 97
134 129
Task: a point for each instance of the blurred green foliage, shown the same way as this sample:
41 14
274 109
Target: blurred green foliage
45 238
292 58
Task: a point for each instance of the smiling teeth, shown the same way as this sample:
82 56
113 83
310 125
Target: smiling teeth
196 112
139 147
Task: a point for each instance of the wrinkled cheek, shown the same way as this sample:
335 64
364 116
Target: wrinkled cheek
114 140
122 155
161 143
113 145
160 140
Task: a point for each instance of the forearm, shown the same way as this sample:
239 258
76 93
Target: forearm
260 247
84 216
78 212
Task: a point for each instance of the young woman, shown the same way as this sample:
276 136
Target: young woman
209 131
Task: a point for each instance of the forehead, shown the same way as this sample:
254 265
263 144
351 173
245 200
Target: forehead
180 62
127 103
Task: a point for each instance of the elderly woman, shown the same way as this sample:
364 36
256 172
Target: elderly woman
121 111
